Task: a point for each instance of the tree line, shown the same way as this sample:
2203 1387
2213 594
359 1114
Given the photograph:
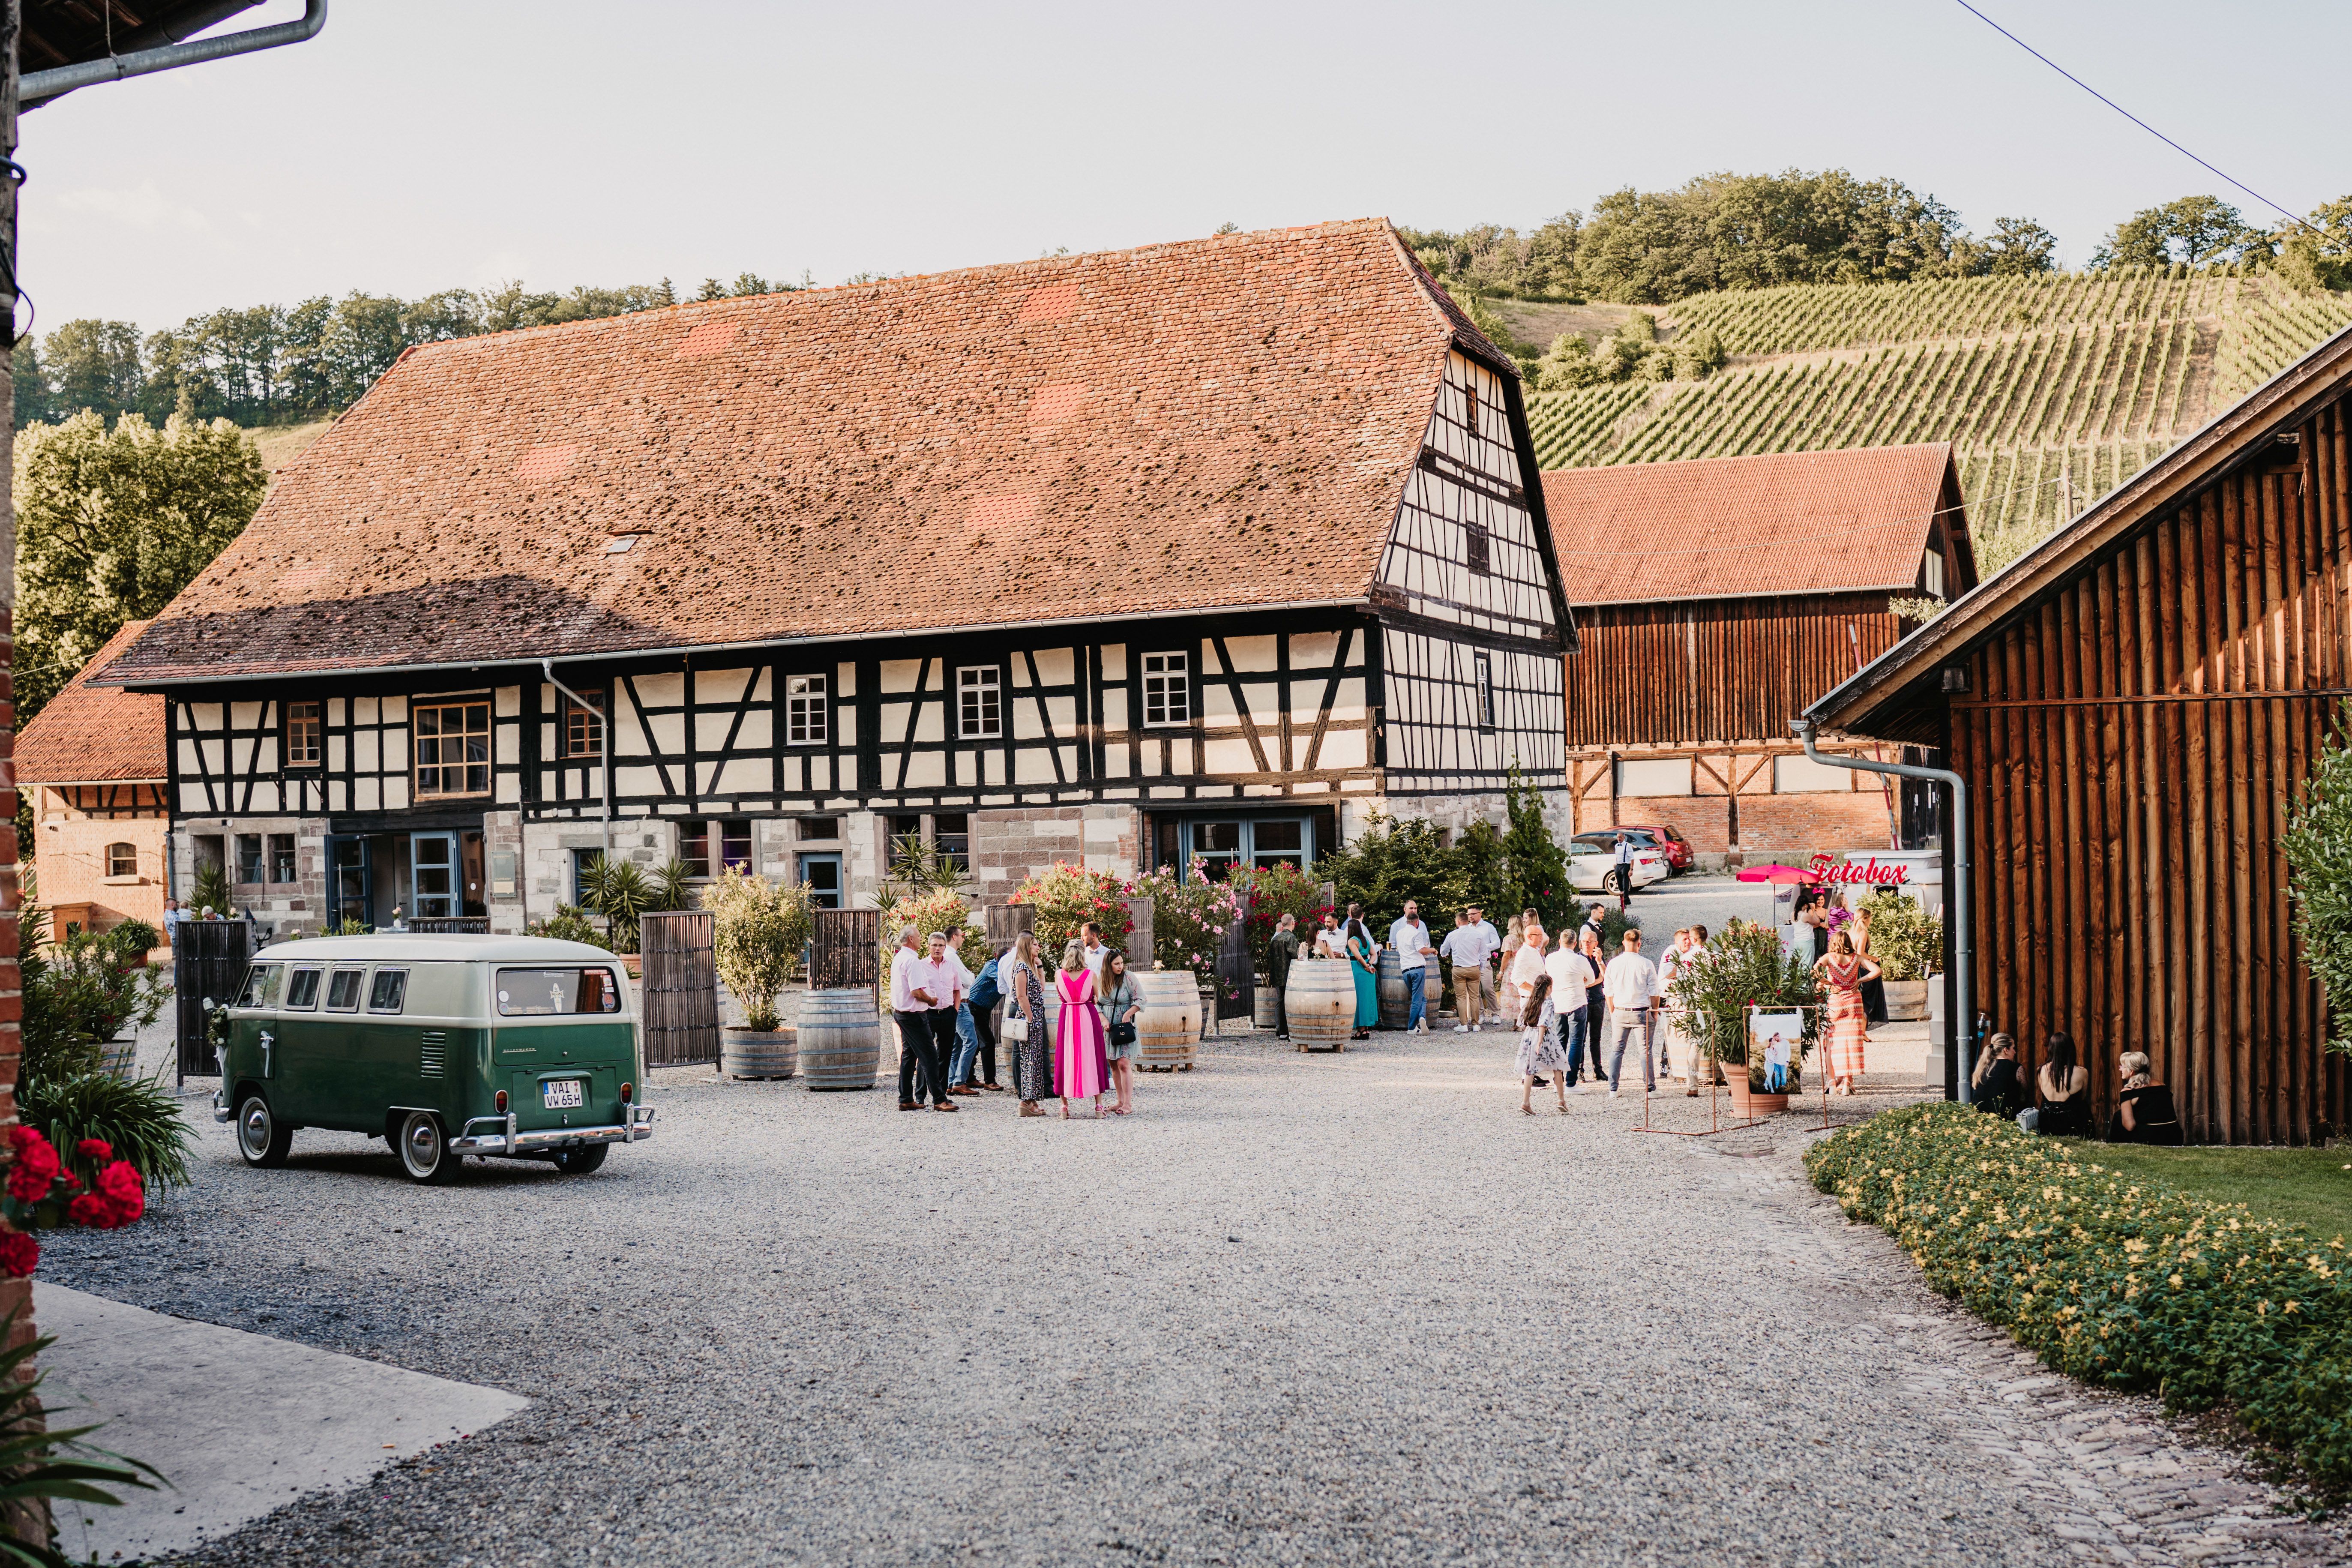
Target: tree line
267 364
1759 231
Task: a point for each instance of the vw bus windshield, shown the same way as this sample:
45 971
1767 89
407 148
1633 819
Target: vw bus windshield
544 992
261 984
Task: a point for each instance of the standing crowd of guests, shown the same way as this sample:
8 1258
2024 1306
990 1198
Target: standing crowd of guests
1081 1046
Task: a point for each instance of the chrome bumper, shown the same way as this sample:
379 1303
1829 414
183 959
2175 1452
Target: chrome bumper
498 1134
222 1110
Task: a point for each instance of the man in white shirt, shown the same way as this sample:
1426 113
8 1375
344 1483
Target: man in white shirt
1630 983
1570 973
1669 1029
1494 945
1624 870
1467 949
1091 947
923 997
1410 937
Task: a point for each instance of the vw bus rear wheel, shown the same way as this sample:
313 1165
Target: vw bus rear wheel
424 1150
580 1159
261 1138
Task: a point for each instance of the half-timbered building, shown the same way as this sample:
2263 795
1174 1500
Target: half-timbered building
1716 600
1205 550
2132 708
91 766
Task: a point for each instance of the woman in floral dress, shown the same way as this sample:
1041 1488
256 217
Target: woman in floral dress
1540 1050
1025 997
1842 974
1081 1064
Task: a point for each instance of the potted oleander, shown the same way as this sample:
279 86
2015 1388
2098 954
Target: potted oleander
760 930
1746 969
1908 944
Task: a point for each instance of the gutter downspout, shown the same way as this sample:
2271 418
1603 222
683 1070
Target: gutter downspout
40 86
1958 857
548 665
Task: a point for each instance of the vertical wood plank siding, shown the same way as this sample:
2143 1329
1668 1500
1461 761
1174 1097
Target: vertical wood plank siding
2134 745
1715 670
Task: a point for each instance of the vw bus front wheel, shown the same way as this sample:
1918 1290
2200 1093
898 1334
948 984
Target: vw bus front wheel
261 1138
425 1150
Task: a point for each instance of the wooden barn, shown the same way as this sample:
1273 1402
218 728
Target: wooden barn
2132 706
1714 600
1206 550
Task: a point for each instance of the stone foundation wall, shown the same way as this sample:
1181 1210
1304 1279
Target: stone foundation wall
284 908
1008 846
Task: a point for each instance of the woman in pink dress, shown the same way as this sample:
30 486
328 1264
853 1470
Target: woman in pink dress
1081 1062
1842 974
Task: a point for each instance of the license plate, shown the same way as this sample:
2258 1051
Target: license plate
562 1094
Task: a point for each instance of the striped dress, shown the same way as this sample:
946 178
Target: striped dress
1081 1065
1849 1022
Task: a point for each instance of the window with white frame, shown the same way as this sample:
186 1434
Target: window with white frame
1932 573
1167 688
805 710
1485 663
979 702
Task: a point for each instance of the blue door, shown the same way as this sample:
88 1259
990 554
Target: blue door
822 875
350 882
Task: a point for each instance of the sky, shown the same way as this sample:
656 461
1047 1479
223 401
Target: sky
416 145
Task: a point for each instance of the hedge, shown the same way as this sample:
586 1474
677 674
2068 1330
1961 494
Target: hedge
2133 1284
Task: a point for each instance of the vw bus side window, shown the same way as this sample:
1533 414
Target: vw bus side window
545 993
302 991
262 982
343 990
390 989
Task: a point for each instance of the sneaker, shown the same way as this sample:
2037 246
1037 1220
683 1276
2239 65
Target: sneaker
1614 1093
1461 1028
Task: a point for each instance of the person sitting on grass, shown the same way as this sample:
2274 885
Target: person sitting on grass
2144 1112
1994 1085
2065 1085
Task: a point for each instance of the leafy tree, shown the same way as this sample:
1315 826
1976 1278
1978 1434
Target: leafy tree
2318 255
95 366
2020 247
32 394
2318 844
1534 870
1698 354
1566 365
111 523
2195 231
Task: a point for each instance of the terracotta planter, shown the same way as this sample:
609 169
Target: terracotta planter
1747 1102
1906 999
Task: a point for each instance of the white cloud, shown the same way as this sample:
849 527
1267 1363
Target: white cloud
144 208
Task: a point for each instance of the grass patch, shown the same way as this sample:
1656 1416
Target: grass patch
2310 1189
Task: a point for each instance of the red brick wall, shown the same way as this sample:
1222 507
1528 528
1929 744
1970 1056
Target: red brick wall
14 1294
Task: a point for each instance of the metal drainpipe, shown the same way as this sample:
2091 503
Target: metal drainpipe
548 664
1961 1027
38 87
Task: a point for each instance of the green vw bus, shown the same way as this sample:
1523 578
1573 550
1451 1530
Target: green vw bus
443 1045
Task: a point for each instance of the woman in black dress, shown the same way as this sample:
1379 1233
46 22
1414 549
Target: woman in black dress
1994 1086
2144 1111
2065 1085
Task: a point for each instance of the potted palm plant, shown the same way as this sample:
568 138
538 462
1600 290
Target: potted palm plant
1907 943
759 929
621 892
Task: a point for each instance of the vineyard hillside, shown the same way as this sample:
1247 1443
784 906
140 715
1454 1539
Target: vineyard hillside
2054 389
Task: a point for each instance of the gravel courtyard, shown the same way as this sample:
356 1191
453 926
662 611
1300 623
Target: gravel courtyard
1296 1310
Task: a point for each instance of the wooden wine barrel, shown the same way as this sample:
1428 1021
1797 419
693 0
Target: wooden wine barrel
1321 1002
1394 1008
118 1058
746 1053
840 1040
1168 1029
1263 1004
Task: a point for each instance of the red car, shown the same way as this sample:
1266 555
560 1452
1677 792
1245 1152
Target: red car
1647 836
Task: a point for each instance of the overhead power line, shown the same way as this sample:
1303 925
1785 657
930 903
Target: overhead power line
2292 218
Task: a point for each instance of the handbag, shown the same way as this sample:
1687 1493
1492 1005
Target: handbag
1016 1029
1122 1033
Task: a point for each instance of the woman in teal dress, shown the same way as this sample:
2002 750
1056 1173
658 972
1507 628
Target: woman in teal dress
1364 963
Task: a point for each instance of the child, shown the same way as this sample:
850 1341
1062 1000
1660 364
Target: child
1775 1065
1539 1047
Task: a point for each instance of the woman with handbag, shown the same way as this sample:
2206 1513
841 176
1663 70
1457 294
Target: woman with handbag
1120 1002
1025 1023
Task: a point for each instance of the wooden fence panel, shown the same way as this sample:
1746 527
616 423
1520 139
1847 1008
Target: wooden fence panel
680 988
1006 922
846 949
208 959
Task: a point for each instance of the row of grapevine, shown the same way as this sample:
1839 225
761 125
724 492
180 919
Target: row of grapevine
1573 428
2083 385
2270 329
1806 317
2036 488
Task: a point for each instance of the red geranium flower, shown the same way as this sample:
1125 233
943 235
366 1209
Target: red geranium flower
18 1254
95 1148
92 1211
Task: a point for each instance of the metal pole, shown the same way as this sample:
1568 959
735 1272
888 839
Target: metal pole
1956 855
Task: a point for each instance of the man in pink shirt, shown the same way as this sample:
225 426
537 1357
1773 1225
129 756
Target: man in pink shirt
924 990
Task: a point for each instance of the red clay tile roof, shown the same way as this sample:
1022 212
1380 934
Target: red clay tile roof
1717 528
1216 423
94 734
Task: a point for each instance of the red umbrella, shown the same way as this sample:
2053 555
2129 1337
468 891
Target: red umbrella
1778 874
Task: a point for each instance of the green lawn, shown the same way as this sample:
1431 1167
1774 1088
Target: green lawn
2307 1187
